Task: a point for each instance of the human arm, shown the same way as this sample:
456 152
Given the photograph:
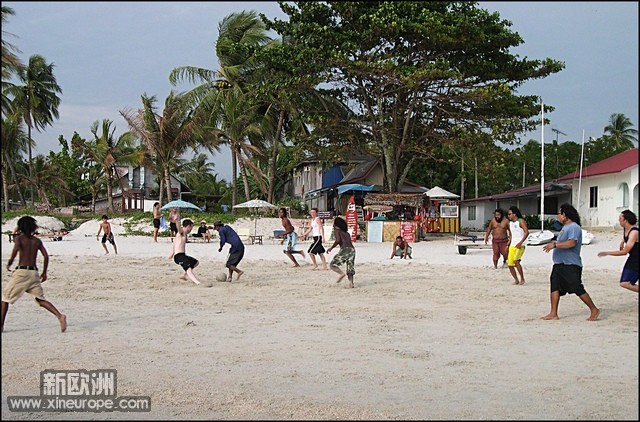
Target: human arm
486 235
565 244
525 230
406 249
336 234
625 248
45 263
223 238
99 231
14 252
309 229
393 250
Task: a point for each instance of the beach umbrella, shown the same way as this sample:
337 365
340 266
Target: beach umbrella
257 205
182 205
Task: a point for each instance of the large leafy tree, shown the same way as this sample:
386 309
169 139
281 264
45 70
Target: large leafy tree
107 151
35 98
415 74
169 135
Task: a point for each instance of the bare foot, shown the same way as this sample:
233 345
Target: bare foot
340 278
315 267
325 269
183 277
594 315
516 282
63 323
229 280
296 265
303 255
351 285
240 275
522 282
550 317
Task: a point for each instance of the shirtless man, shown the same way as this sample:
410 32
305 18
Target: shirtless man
108 235
156 221
25 277
290 237
499 229
178 248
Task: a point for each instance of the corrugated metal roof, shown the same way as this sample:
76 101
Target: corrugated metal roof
615 164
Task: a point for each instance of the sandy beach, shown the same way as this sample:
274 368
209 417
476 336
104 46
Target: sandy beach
442 336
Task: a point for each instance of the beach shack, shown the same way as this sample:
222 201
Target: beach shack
391 214
441 213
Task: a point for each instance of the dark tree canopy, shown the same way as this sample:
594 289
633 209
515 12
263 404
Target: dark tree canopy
416 75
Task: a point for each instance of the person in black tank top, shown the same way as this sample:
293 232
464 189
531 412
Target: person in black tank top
628 245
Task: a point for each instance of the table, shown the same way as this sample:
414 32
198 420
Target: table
257 238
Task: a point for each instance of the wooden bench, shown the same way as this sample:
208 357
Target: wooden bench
255 238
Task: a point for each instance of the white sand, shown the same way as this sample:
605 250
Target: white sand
442 336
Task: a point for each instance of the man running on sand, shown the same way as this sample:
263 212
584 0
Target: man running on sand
290 237
498 228
236 251
25 277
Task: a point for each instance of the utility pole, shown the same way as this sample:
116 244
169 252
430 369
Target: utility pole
555 144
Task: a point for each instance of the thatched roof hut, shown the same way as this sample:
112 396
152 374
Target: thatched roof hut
393 199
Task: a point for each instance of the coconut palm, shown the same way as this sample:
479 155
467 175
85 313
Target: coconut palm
240 34
107 151
620 132
35 98
10 61
14 143
48 179
170 135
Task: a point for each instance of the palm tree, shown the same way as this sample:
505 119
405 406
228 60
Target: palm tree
10 61
36 98
48 178
620 132
108 152
13 145
169 135
240 34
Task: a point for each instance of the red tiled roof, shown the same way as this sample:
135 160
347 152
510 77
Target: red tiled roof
615 164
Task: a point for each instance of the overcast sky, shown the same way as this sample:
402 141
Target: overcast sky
106 55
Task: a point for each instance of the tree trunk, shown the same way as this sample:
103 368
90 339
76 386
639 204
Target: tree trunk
5 189
160 193
234 176
14 176
167 181
274 157
245 180
30 153
110 207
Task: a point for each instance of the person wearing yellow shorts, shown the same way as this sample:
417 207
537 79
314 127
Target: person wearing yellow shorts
519 233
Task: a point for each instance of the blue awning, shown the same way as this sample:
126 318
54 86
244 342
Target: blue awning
356 187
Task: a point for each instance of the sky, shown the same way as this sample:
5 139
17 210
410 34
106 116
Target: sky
107 55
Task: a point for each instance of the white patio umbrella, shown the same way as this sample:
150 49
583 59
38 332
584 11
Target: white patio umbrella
257 205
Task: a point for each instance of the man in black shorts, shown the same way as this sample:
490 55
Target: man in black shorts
236 252
156 220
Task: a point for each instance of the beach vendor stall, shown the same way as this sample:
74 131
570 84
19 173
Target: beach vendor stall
392 214
441 213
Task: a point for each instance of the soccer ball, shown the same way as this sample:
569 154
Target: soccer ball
221 277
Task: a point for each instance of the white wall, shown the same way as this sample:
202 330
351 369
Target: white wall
610 198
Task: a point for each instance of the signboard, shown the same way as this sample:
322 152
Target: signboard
325 215
407 231
374 231
352 219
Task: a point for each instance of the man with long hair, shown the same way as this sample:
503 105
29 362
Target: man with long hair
566 275
628 245
519 233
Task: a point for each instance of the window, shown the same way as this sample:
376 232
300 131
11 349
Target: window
593 197
472 213
623 198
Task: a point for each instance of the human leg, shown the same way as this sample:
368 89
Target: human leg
324 262
629 279
495 248
627 285
104 245
192 276
595 312
520 271
5 308
554 298
49 307
313 261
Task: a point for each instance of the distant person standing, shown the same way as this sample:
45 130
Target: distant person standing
498 228
317 231
156 220
347 254
173 225
290 237
236 250
25 277
108 235
566 275
628 245
519 233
